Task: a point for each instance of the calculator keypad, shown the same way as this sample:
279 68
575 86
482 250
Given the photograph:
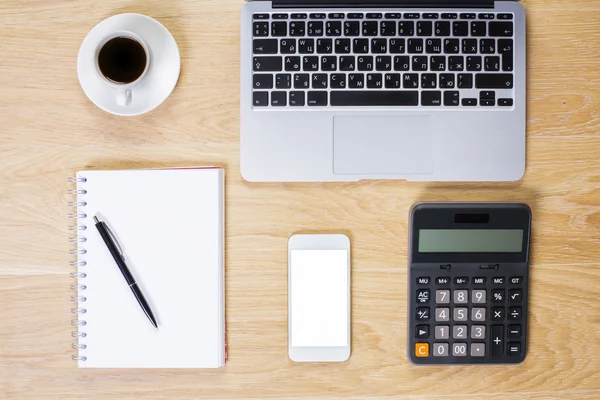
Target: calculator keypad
469 319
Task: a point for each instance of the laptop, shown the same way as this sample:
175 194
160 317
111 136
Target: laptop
419 90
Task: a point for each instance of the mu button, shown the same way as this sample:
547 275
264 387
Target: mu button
422 349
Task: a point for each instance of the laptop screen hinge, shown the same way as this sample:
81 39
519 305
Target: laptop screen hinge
383 3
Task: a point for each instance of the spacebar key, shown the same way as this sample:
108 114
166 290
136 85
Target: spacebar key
374 98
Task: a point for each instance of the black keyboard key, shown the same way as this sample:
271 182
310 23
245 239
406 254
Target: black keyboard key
469 46
468 16
375 98
497 313
355 16
490 94
369 28
449 16
397 46
342 46
410 81
317 98
297 28
456 63
356 81
505 47
431 98
299 16
280 16
365 63
319 81
428 81
505 16
347 63
260 99
333 28
442 28
262 81
337 15
378 46
264 46
310 63
515 296
324 46
433 46
412 15
292 63
337 81
278 99
283 81
267 64
451 98
515 280
460 28
465 81
419 63
360 46
415 46
374 81
260 29
514 313
424 28
406 28
401 63
514 349
315 28
260 16
278 29
469 102
487 102
451 46
387 28
392 81
514 331
437 63
494 81
318 16
474 63
447 81
501 29
478 28
374 16
383 63
328 63
487 46
306 46
486 16
287 46
497 340
505 102
393 16
301 81
431 15
491 63
351 28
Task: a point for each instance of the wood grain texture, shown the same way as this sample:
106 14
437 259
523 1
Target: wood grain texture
49 129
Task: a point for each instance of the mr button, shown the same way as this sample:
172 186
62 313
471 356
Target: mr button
422 349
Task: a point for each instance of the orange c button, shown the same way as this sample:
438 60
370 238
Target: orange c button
422 349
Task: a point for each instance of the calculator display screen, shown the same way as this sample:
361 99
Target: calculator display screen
470 240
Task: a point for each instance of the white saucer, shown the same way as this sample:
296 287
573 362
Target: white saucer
153 88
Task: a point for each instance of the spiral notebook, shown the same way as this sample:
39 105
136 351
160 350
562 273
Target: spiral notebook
170 225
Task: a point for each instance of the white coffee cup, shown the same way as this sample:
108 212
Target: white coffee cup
122 64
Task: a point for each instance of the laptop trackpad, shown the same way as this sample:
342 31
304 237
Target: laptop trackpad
386 145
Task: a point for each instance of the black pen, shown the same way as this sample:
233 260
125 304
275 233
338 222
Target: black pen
115 250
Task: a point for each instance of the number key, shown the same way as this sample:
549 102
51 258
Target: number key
459 349
478 314
442 314
442 296
478 332
478 296
459 332
461 296
442 332
440 350
460 314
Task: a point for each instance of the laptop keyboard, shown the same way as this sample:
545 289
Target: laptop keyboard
382 59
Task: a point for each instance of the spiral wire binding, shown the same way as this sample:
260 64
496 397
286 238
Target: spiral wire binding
78 275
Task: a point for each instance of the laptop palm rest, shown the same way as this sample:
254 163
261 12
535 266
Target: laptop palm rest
386 145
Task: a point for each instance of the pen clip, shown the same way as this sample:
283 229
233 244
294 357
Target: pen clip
114 239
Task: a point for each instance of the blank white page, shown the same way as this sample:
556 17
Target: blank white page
169 224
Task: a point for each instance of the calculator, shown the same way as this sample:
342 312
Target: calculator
468 283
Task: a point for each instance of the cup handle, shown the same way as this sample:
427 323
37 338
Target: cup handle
124 97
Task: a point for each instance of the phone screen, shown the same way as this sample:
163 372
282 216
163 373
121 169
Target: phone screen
319 298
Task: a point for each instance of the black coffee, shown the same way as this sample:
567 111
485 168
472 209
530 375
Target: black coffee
122 60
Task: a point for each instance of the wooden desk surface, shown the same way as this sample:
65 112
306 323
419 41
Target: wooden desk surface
49 129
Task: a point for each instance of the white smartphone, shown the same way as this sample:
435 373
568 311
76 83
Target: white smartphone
319 298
